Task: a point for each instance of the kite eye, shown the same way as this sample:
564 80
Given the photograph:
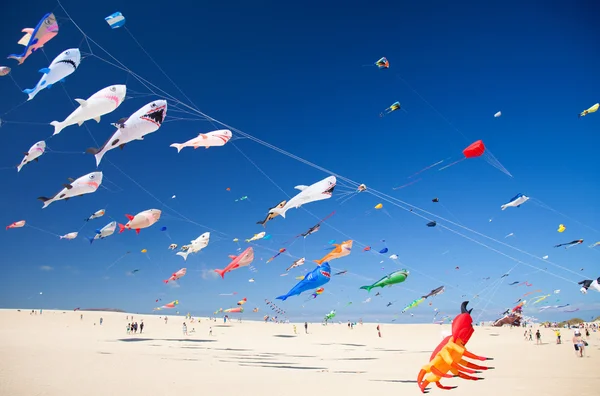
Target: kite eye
113 89
153 104
92 176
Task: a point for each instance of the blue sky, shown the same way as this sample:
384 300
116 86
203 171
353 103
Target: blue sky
295 77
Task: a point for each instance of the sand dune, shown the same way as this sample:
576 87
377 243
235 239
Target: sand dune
59 354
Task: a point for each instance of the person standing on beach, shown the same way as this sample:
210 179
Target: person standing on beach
141 327
538 337
210 331
379 331
558 336
530 335
184 328
295 332
81 317
525 335
578 343
306 327
166 319
101 320
128 328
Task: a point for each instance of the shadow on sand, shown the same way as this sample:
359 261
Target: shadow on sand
284 336
392 380
164 339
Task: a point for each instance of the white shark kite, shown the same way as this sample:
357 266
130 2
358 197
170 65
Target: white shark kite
515 201
102 102
210 139
62 66
32 155
144 121
315 192
84 185
196 245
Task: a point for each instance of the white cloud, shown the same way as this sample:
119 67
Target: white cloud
208 274
46 268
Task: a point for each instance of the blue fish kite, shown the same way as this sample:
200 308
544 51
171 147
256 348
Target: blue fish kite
313 280
35 38
515 201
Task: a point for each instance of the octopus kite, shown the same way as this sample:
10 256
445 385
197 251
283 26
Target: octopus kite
450 353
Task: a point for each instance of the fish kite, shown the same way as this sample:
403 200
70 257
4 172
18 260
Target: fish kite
256 237
515 201
170 305
296 263
313 280
4 71
341 250
570 244
35 38
498 114
141 220
592 109
146 120
70 235
316 192
242 301
234 310
16 224
115 20
271 215
395 106
388 280
96 215
86 184
242 260
195 246
435 292
413 304
61 67
206 140
176 275
104 232
431 224
102 102
32 155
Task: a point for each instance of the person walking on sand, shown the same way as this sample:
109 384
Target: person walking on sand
525 335
295 332
379 331
81 317
538 337
166 319
184 328
210 331
128 328
101 320
141 327
578 343
530 335
306 327
558 341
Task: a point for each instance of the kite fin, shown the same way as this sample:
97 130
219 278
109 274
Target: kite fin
121 228
178 146
220 272
367 288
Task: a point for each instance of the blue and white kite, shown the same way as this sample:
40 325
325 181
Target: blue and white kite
515 201
115 20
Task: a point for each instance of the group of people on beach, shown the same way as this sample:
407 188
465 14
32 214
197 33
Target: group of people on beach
579 343
132 328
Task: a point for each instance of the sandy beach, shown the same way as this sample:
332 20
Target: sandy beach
58 353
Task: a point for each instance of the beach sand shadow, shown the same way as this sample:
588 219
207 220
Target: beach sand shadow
358 358
399 381
164 339
349 372
285 367
233 349
284 336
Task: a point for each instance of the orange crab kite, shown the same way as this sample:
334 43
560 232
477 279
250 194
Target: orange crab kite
449 354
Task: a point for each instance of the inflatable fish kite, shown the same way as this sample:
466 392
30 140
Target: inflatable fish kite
196 245
32 155
498 114
234 310
70 235
341 250
104 232
592 109
435 292
141 220
16 224
35 38
61 67
242 260
206 140
176 275
383 63
84 185
313 280
515 201
570 244
256 237
96 215
296 263
146 120
102 102
388 280
4 71
316 192
271 215
589 283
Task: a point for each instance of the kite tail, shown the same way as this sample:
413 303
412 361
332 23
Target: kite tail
367 288
30 92
46 201
16 57
503 207
178 146
183 254
121 228
97 153
282 298
58 126
319 262
220 272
